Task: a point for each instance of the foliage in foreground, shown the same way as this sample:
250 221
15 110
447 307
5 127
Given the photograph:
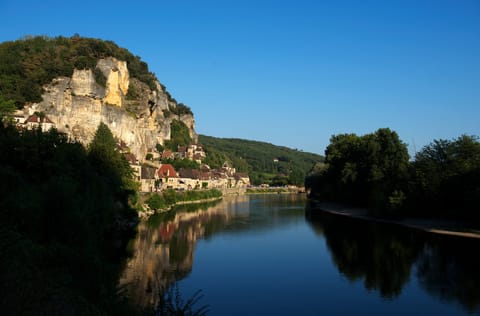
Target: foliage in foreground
171 303
64 217
374 171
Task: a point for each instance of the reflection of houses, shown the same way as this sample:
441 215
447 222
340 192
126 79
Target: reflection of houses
35 121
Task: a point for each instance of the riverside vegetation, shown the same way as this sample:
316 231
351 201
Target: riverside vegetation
65 216
374 171
168 198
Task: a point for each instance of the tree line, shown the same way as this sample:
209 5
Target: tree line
375 171
65 216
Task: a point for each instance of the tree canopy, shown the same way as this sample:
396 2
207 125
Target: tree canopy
447 177
374 171
366 170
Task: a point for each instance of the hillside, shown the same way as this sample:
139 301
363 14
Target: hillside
265 163
76 83
31 62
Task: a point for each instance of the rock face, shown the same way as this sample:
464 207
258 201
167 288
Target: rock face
117 76
78 104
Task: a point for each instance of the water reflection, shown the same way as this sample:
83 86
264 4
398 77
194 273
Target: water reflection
163 250
384 256
449 270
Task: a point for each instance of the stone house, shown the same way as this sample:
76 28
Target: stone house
148 178
35 121
167 176
242 180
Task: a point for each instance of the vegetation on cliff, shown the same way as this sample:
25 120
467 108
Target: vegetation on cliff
29 63
179 136
264 162
374 171
64 218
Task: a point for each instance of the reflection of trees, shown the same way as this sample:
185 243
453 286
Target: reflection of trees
449 270
380 255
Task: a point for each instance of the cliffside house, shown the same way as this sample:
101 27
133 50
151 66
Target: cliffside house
192 152
35 121
167 154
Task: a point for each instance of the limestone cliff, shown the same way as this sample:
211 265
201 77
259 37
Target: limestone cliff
133 112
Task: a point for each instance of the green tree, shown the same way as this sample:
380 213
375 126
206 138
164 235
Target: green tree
447 178
6 106
102 151
369 170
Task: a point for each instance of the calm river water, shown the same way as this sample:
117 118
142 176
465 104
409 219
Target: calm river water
261 255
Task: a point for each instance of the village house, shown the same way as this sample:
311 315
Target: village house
148 178
192 152
35 121
242 180
167 154
167 176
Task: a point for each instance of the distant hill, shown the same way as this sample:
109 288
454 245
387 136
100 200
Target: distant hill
265 163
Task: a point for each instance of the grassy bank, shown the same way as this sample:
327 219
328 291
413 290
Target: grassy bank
165 200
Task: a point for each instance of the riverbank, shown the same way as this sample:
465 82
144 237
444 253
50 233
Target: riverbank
275 190
435 226
161 202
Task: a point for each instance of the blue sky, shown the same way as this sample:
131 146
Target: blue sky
292 73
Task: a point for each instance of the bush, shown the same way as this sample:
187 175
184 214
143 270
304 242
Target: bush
156 202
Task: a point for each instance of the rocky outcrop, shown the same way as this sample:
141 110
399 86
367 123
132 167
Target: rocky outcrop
78 104
117 76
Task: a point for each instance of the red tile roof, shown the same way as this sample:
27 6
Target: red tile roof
167 170
35 119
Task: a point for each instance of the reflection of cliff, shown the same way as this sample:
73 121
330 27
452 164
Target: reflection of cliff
383 256
163 248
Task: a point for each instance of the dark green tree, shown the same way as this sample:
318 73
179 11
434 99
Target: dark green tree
6 106
369 171
447 178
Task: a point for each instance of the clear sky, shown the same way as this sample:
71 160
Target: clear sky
292 73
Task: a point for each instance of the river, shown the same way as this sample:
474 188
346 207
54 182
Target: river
261 255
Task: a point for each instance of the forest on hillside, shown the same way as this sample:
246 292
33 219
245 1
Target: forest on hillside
264 162
33 61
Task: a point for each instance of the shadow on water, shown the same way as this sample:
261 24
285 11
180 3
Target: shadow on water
384 256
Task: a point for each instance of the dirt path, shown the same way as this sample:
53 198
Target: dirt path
436 226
